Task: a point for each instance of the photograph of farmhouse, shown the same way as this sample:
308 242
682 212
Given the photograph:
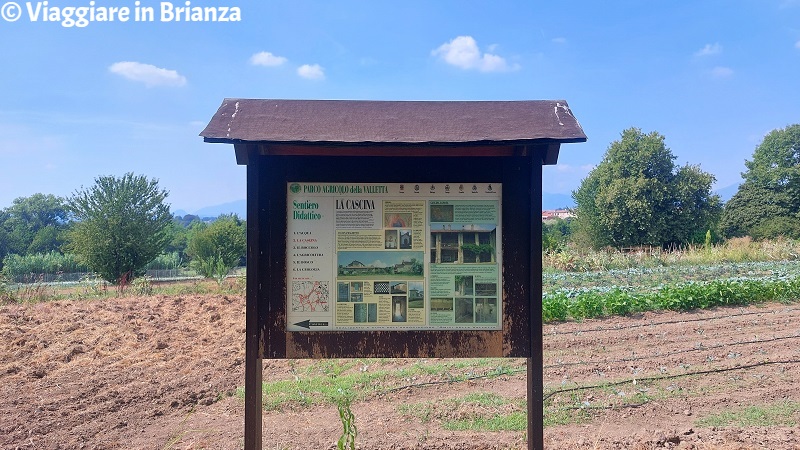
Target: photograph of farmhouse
462 243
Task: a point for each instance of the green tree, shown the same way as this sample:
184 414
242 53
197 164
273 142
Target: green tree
767 203
776 161
217 248
178 237
753 205
556 234
187 220
698 209
636 196
416 266
120 225
34 224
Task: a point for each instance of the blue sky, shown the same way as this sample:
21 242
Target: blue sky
116 97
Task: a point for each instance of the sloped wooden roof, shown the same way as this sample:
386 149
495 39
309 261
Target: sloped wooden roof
393 123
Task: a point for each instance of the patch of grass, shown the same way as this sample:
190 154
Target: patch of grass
191 287
477 411
422 411
777 414
325 381
458 369
322 389
565 416
485 399
559 411
515 421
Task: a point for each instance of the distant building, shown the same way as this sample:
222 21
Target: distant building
358 267
552 214
404 267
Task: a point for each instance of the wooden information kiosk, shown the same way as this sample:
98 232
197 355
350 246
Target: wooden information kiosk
380 229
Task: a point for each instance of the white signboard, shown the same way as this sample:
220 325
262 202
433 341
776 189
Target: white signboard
394 256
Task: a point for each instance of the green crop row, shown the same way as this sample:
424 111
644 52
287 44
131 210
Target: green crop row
578 259
20 269
47 267
650 278
591 303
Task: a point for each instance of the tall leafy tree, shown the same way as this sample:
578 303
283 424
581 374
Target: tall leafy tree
34 224
636 196
697 208
120 225
776 161
217 248
767 203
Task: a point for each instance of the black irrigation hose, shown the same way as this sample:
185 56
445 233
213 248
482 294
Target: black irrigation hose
668 322
677 352
668 377
653 378
593 386
589 408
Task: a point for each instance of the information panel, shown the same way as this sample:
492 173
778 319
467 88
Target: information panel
393 256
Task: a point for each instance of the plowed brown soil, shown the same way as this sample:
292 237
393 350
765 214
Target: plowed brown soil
160 372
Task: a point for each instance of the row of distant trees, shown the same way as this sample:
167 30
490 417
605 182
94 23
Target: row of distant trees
637 196
117 227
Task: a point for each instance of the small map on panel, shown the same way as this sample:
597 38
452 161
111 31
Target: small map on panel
310 296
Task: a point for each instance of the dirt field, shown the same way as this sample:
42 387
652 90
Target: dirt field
160 373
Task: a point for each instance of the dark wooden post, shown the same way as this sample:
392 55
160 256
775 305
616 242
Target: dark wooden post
535 361
253 372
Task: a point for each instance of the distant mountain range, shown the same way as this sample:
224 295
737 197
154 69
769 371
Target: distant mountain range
549 201
727 192
559 201
238 207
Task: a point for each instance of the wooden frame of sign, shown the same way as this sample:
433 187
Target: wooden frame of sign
274 163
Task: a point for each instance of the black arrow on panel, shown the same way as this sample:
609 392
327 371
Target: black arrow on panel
308 324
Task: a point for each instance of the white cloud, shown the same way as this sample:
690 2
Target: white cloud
797 44
267 59
148 74
709 49
559 40
567 168
311 72
463 52
721 72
